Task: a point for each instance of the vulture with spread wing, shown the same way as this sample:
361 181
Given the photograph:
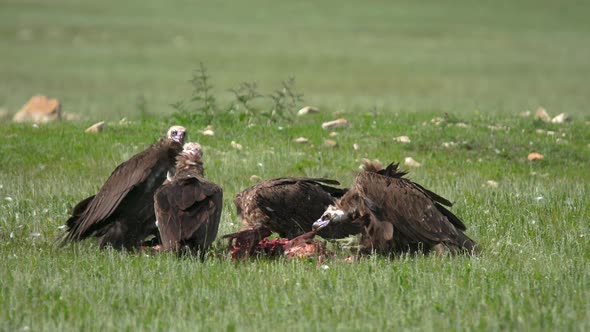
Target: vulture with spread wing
121 214
188 207
287 206
398 215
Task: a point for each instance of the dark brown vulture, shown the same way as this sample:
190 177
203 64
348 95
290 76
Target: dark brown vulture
399 215
188 207
287 206
121 214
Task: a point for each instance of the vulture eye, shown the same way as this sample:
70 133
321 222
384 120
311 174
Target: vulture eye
326 217
174 133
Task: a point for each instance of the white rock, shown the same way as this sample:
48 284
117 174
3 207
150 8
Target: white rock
492 184
301 140
96 128
308 110
208 132
402 139
560 118
236 146
542 115
409 161
355 147
338 123
449 144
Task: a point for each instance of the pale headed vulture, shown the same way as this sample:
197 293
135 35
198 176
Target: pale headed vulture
399 216
121 214
188 207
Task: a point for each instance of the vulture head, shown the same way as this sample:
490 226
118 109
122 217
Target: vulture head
176 133
331 215
188 162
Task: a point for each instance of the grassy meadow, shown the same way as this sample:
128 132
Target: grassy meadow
453 77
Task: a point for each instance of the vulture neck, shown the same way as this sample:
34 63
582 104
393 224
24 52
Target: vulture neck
189 166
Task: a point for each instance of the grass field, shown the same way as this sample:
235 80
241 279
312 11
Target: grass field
390 68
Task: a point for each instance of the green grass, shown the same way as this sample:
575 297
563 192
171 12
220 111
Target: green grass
501 56
391 68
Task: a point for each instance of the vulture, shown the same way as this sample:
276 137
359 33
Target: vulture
188 207
121 214
398 215
287 206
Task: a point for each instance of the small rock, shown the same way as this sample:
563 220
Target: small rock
301 140
542 115
402 139
492 184
437 121
560 118
449 144
236 146
330 143
535 156
338 123
308 110
39 109
96 128
208 132
461 125
333 134
525 114
255 178
409 161
355 147
541 131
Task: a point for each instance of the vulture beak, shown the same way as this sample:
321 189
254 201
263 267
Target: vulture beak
332 214
319 224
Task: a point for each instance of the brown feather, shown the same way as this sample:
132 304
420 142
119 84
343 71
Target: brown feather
383 197
121 213
188 208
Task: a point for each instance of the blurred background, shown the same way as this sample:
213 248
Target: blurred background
104 58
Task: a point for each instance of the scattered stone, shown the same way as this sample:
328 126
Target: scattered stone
409 161
96 128
338 123
402 139
496 127
462 125
535 156
308 110
449 145
333 134
330 143
236 146
560 140
355 147
255 178
525 114
437 121
208 132
39 109
492 184
301 140
542 115
560 118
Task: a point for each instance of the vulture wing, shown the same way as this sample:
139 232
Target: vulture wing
414 213
293 204
132 180
188 212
